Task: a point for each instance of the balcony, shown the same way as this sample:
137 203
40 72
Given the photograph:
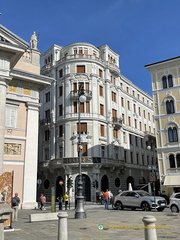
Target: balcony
46 69
74 95
45 122
117 122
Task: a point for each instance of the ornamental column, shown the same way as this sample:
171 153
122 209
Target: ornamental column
3 87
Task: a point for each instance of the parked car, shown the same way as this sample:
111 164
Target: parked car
174 204
139 199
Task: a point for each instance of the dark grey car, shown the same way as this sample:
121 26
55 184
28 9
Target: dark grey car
139 199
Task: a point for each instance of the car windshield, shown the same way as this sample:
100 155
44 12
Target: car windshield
143 193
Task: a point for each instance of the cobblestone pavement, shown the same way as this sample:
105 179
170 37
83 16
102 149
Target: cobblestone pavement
117 224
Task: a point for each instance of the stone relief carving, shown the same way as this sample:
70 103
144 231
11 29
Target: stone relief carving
12 89
26 91
12 149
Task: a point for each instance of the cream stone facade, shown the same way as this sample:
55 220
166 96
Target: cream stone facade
117 123
20 84
166 95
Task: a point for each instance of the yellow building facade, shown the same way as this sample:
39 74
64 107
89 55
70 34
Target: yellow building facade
166 97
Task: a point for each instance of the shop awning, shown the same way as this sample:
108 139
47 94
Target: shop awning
172 181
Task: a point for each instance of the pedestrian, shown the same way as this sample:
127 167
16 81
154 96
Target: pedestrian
60 199
42 202
15 206
106 199
101 197
111 199
66 198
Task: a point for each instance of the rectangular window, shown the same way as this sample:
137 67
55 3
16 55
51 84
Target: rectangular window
149 118
100 73
123 118
75 107
47 96
149 128
131 157
133 93
143 160
102 151
115 133
84 150
101 91
124 137
47 135
135 108
60 91
136 138
114 113
80 69
129 121
85 51
139 111
47 114
60 73
102 130
83 128
140 126
137 158
60 152
60 110
130 139
135 123
128 105
82 107
11 117
144 113
87 107
60 130
75 86
101 109
80 50
127 89
138 96
122 102
145 128
87 86
113 97
75 50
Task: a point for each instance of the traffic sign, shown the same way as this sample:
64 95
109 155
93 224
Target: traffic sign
152 176
61 182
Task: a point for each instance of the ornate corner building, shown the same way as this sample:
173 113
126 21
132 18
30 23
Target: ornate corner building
117 122
166 96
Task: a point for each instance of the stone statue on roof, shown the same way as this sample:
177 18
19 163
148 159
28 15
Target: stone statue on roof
34 41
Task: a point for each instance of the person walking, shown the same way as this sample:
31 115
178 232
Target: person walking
106 199
15 207
42 202
60 199
66 198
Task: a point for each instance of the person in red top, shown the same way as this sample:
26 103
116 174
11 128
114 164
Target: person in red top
106 199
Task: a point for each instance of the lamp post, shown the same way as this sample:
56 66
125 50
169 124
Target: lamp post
80 212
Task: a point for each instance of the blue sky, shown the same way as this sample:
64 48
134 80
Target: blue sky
140 31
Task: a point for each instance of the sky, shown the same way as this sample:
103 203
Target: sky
140 31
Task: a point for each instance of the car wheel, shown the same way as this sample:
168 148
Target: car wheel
174 208
160 209
119 206
145 206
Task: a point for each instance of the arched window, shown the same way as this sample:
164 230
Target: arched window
178 160
167 81
171 161
170 106
164 82
172 134
170 81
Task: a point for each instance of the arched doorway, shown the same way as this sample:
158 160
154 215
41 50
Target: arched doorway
130 179
59 188
86 187
104 183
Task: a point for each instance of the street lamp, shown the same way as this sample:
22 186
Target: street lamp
80 212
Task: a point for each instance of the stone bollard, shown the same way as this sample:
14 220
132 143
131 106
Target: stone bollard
62 226
149 227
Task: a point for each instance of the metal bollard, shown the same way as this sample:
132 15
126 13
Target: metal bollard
62 226
149 227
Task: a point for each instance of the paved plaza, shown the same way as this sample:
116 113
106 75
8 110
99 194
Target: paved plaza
126 224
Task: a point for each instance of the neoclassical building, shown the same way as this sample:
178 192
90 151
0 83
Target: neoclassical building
20 84
117 122
166 94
